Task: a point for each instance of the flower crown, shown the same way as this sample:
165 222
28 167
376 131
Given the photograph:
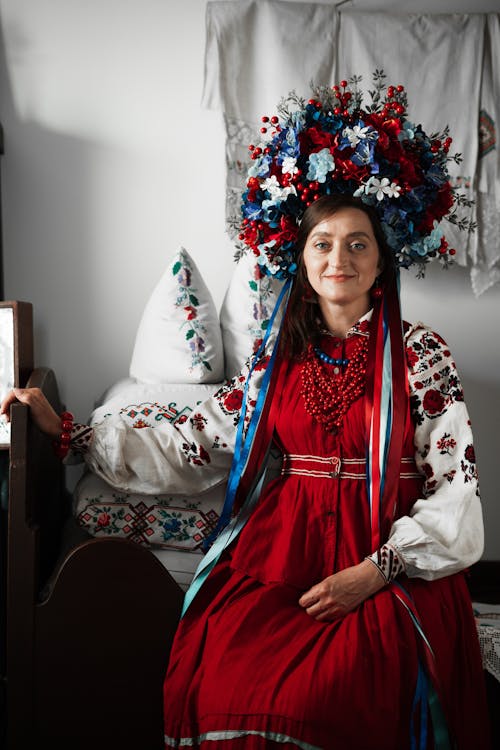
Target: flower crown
331 145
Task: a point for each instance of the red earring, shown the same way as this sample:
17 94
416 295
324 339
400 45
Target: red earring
376 291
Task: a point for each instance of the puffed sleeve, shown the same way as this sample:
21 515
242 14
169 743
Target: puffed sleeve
177 458
444 532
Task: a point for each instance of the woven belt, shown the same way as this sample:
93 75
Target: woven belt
334 467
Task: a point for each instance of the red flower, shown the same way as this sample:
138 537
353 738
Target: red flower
411 357
444 201
203 454
470 454
313 139
286 233
191 312
433 401
233 400
103 519
349 171
409 171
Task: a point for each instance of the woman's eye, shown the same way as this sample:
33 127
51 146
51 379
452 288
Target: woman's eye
357 246
321 246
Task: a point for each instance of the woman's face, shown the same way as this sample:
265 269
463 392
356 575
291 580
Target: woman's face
342 258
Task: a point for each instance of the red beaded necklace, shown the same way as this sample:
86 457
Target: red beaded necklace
328 393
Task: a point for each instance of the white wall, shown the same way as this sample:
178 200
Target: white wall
111 163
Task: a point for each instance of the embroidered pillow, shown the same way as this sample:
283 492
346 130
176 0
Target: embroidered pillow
245 312
177 522
179 338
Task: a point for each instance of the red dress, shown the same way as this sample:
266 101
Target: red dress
250 668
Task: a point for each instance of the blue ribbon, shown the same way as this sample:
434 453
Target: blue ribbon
225 531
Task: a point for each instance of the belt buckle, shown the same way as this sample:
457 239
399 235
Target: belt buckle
335 461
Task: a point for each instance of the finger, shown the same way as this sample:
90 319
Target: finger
329 615
9 399
316 610
310 597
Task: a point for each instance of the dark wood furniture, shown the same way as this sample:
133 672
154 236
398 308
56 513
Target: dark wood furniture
89 626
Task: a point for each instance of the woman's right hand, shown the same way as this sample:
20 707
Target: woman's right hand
44 416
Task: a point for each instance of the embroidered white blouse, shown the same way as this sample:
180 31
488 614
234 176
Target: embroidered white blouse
443 533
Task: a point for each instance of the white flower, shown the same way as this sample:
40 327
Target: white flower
382 187
275 190
272 186
356 134
289 165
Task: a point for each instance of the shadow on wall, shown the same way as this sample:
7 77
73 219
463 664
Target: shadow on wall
51 254
483 400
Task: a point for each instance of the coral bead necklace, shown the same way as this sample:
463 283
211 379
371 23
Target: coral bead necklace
328 394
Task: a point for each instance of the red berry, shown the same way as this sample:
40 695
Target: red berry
452 251
274 119
343 84
265 119
400 88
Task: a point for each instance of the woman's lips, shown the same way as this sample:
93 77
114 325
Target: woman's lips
338 277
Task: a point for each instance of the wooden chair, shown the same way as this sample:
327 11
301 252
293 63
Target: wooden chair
89 624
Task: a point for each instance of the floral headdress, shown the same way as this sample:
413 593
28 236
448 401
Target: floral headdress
330 144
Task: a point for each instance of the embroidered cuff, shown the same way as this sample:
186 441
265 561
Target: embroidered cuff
81 437
388 562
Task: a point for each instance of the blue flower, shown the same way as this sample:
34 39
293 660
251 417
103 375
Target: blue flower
289 144
408 131
364 155
172 526
271 212
251 211
261 167
320 163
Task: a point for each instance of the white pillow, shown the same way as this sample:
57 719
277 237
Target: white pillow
170 521
179 338
245 312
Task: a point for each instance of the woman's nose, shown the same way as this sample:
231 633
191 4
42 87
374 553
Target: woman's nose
337 256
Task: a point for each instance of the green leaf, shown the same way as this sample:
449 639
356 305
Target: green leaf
253 285
207 365
176 268
264 325
189 334
194 300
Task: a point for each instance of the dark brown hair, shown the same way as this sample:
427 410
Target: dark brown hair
300 326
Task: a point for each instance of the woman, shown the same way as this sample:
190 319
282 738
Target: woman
295 638
331 611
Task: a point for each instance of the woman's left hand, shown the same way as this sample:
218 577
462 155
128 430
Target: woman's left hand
342 592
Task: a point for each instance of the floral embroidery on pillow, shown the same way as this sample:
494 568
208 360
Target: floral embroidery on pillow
263 297
187 299
165 523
